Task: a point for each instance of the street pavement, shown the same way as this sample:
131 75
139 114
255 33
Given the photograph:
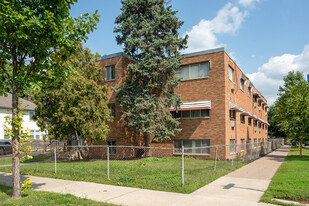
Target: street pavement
243 187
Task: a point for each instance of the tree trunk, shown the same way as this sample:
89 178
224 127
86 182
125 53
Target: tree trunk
300 146
15 144
147 144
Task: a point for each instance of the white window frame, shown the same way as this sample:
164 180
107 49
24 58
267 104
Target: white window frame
203 151
109 73
231 73
191 111
31 114
188 66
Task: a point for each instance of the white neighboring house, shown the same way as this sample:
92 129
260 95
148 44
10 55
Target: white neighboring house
28 109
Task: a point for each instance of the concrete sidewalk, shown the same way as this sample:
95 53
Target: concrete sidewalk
244 186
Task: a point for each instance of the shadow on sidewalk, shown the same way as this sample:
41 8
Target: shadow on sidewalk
6 179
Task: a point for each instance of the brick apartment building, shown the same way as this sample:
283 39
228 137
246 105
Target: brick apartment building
220 104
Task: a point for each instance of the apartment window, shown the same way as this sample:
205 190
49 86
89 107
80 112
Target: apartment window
193 71
259 124
254 141
232 114
255 123
242 119
32 134
191 113
254 98
112 149
232 146
37 134
231 73
31 114
110 72
262 126
249 121
259 140
192 146
242 84
260 102
249 91
242 144
112 109
6 135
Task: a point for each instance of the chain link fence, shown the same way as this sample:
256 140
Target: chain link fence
168 169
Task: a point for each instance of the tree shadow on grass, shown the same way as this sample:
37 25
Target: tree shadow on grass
298 158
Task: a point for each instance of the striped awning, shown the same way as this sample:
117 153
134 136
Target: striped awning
193 106
234 107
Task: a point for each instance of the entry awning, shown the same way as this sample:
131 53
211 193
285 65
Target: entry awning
193 106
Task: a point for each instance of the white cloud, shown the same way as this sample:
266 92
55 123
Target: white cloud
203 35
270 75
247 3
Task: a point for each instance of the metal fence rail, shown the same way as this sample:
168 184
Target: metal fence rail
137 165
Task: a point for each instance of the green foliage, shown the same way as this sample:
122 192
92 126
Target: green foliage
80 104
274 129
24 134
33 31
291 181
291 108
162 174
148 31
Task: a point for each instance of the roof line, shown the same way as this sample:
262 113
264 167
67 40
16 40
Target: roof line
204 52
115 55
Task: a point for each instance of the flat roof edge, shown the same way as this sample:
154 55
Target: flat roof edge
115 55
204 52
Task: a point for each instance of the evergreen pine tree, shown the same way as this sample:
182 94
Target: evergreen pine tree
148 29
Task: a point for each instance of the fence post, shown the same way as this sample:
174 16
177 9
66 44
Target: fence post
55 154
182 166
233 156
216 158
107 162
243 156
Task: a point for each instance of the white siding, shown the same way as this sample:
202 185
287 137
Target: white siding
27 123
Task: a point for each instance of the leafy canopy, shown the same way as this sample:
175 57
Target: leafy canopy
148 29
292 111
80 105
31 32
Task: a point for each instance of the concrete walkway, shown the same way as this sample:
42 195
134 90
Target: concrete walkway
244 186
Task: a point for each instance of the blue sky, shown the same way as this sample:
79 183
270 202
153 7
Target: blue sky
266 38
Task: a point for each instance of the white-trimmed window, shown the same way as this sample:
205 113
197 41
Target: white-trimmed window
199 113
231 74
198 147
249 91
35 134
31 114
242 144
110 73
6 135
242 84
232 146
232 115
193 71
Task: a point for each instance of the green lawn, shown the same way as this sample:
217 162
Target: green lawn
150 173
31 197
291 182
39 158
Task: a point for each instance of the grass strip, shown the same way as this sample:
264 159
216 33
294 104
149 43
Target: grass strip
291 182
162 174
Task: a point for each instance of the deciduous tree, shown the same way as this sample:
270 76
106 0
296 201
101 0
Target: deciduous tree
292 108
31 31
79 106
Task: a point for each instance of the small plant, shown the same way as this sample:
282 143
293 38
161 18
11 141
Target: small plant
26 184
